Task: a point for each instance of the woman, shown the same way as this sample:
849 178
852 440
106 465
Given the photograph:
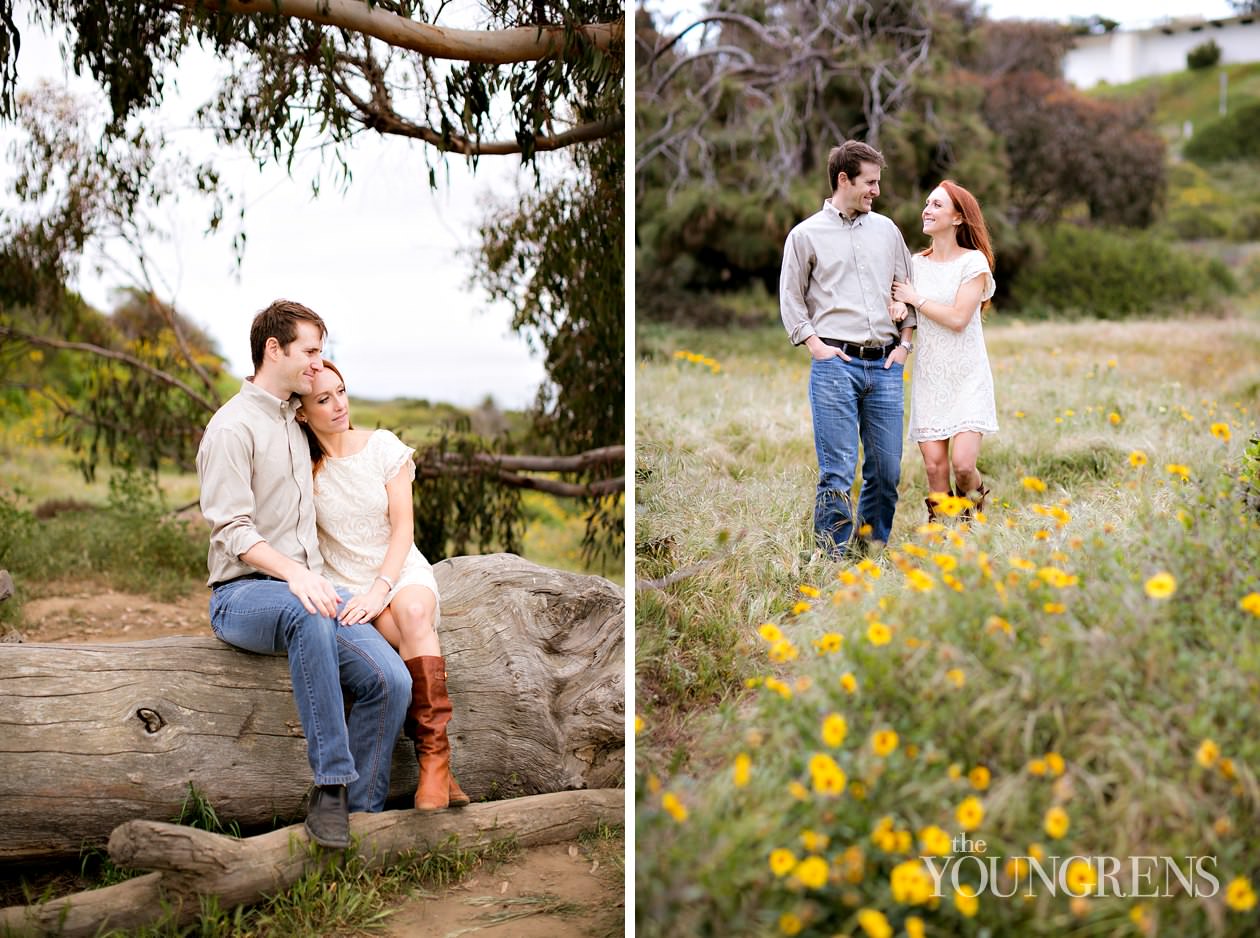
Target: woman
951 396
363 515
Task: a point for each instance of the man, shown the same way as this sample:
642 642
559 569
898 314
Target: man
269 595
834 297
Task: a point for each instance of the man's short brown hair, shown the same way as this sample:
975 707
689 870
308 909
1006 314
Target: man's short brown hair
848 159
279 321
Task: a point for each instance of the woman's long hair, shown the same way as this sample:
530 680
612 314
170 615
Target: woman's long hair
317 451
972 233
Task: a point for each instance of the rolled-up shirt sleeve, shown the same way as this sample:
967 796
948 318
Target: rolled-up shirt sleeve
798 265
224 463
903 271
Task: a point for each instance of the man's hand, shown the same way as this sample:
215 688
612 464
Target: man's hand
898 355
821 351
898 311
315 593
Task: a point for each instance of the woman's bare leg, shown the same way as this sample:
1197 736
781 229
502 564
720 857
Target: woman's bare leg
936 464
414 612
966 450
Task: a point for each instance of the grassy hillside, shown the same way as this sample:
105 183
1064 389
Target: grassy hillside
1189 96
1063 679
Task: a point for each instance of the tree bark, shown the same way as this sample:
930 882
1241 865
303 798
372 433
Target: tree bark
193 863
497 47
92 736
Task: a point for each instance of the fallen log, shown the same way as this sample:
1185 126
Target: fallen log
95 735
191 863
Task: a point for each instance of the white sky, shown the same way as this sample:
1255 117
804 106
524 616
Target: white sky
382 264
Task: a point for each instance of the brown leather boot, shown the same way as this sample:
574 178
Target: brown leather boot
425 726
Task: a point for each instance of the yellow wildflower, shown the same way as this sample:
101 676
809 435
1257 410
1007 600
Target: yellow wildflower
798 791
920 581
782 861
954 771
1021 564
834 729
812 872
638 724
966 902
879 634
1056 823
811 591
675 808
998 624
969 814
853 861
774 684
1161 586
1221 431
979 778
914 927
790 923
934 841
956 676
1250 603
849 682
911 884
1035 852
947 562
742 769
1226 767
770 632
1207 754
1114 419
1223 826
1055 609
1036 767
1055 763
829 643
653 783
799 607
865 530
813 841
1033 484
1178 470
1081 878
783 651
847 577
914 550
1140 916
883 742
1138 459
1239 895
828 777
953 582
872 922
870 568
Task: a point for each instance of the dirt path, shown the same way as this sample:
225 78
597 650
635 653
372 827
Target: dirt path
566 890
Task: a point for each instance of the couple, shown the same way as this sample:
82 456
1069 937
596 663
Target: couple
298 501
846 281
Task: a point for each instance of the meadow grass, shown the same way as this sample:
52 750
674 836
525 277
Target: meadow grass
961 658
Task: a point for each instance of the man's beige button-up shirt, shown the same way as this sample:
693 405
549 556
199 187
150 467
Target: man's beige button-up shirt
255 469
837 278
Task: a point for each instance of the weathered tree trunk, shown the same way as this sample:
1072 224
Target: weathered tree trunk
193 863
95 735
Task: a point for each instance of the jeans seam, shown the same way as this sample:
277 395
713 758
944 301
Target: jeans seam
382 710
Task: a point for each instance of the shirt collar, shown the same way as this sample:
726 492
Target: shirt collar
268 403
830 207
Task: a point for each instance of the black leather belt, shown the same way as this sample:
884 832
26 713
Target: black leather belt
864 352
244 576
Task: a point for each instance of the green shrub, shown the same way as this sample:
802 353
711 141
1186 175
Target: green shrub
1113 274
1204 55
1236 136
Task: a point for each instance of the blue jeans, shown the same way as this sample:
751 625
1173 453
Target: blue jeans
262 616
852 400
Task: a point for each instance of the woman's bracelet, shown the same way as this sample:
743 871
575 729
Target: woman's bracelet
386 580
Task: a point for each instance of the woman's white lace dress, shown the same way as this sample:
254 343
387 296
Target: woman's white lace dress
952 386
352 516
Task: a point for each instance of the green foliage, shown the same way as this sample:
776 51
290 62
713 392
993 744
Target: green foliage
457 511
1236 136
197 811
131 544
1204 55
1111 275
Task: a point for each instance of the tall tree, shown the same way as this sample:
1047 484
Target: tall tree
529 78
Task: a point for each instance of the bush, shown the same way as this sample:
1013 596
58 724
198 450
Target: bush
1236 136
1204 55
1114 274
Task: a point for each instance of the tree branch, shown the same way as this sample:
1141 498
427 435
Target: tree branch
168 379
492 47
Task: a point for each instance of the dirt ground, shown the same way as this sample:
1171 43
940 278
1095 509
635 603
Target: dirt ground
565 890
